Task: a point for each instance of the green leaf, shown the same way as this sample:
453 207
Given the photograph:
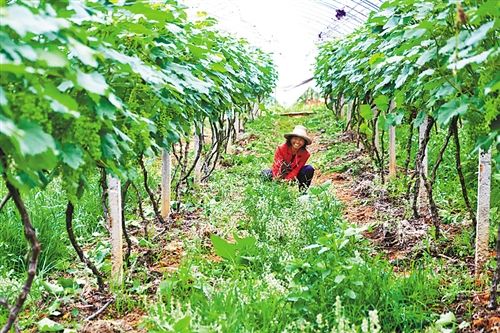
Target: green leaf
427 72
105 109
350 293
376 59
452 42
22 21
65 85
152 14
485 142
217 66
110 148
15 68
393 119
47 325
312 246
428 55
392 22
93 82
197 51
382 102
64 99
183 325
381 122
67 283
33 140
407 71
223 248
489 8
444 91
493 85
449 110
246 245
446 319
481 57
363 128
53 288
414 33
366 111
323 250
82 52
52 58
419 119
137 28
479 34
339 278
72 155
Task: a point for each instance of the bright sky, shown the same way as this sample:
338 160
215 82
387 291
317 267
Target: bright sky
288 29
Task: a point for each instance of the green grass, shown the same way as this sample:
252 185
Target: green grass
47 213
306 262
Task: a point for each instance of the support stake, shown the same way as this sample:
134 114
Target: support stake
483 210
166 170
422 193
115 216
392 146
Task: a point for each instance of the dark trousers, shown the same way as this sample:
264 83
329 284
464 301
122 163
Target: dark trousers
304 177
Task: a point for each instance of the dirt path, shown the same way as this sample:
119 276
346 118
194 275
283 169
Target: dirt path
344 185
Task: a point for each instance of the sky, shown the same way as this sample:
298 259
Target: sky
288 29
280 27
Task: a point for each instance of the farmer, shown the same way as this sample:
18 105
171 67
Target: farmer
290 160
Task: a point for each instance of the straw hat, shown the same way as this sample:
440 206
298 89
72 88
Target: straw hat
301 132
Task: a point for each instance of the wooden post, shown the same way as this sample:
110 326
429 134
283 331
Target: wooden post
237 127
483 210
241 123
350 106
255 111
422 201
392 151
229 147
392 146
342 109
166 166
115 221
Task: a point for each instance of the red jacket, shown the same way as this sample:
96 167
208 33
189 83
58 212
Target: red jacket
284 161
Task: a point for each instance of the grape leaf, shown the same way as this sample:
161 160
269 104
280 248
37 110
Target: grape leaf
481 57
33 140
93 82
479 34
451 109
366 112
48 325
72 155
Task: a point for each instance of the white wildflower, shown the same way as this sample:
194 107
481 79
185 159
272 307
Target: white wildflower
374 322
274 285
364 326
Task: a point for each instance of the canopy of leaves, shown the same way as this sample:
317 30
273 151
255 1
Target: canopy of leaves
425 57
87 83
